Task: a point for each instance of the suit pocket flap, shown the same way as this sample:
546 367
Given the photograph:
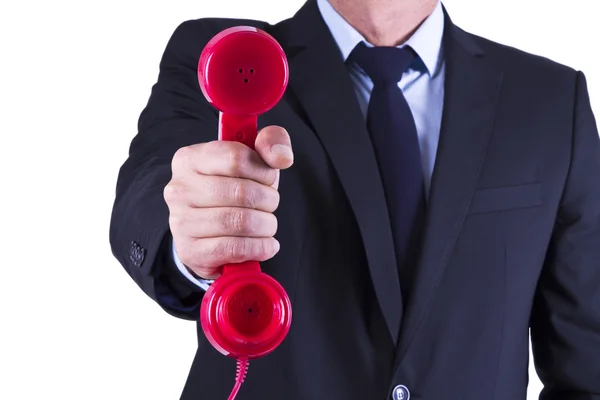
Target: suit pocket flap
506 198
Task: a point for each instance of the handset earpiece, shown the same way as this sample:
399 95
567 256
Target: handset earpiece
245 313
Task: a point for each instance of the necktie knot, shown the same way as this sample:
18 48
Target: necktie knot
383 64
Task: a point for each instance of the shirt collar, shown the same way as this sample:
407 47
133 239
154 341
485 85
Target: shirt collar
426 41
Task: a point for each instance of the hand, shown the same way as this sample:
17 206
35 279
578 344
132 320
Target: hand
221 200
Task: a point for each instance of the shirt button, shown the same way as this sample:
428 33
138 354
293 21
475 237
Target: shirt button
400 393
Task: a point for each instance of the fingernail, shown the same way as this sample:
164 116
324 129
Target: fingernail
276 245
282 150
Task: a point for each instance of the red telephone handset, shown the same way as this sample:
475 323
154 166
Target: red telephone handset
245 313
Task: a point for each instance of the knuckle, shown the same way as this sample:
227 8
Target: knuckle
196 255
212 189
168 193
219 251
236 161
174 192
181 158
254 197
176 222
240 221
237 248
207 252
246 194
184 252
240 190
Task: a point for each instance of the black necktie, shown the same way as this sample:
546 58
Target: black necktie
394 137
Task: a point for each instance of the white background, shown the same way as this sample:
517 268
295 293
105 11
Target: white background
73 78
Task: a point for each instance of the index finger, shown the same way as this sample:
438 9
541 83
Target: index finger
230 159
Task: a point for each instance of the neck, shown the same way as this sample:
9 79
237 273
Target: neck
385 22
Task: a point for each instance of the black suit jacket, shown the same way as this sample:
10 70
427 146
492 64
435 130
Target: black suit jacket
512 239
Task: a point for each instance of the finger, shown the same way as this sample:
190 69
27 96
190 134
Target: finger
224 158
274 145
216 191
207 273
276 184
202 255
223 221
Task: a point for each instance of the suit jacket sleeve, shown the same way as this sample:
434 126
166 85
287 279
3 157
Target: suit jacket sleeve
176 115
565 324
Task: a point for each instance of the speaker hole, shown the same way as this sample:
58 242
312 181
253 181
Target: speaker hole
250 311
240 70
251 70
245 80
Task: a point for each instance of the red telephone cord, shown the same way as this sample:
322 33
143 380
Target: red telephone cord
242 370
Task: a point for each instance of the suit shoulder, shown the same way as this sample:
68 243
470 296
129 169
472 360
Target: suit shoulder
208 27
193 35
524 62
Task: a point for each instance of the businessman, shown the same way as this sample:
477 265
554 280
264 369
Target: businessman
424 195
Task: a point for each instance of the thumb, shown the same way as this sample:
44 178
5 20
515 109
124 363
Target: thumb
274 146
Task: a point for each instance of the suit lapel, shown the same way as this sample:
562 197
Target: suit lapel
320 80
472 86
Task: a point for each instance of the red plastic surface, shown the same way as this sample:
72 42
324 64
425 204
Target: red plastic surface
245 313
243 72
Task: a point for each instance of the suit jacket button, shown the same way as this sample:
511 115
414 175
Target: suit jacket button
137 254
400 393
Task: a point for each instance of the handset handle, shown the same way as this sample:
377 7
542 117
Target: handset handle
243 129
